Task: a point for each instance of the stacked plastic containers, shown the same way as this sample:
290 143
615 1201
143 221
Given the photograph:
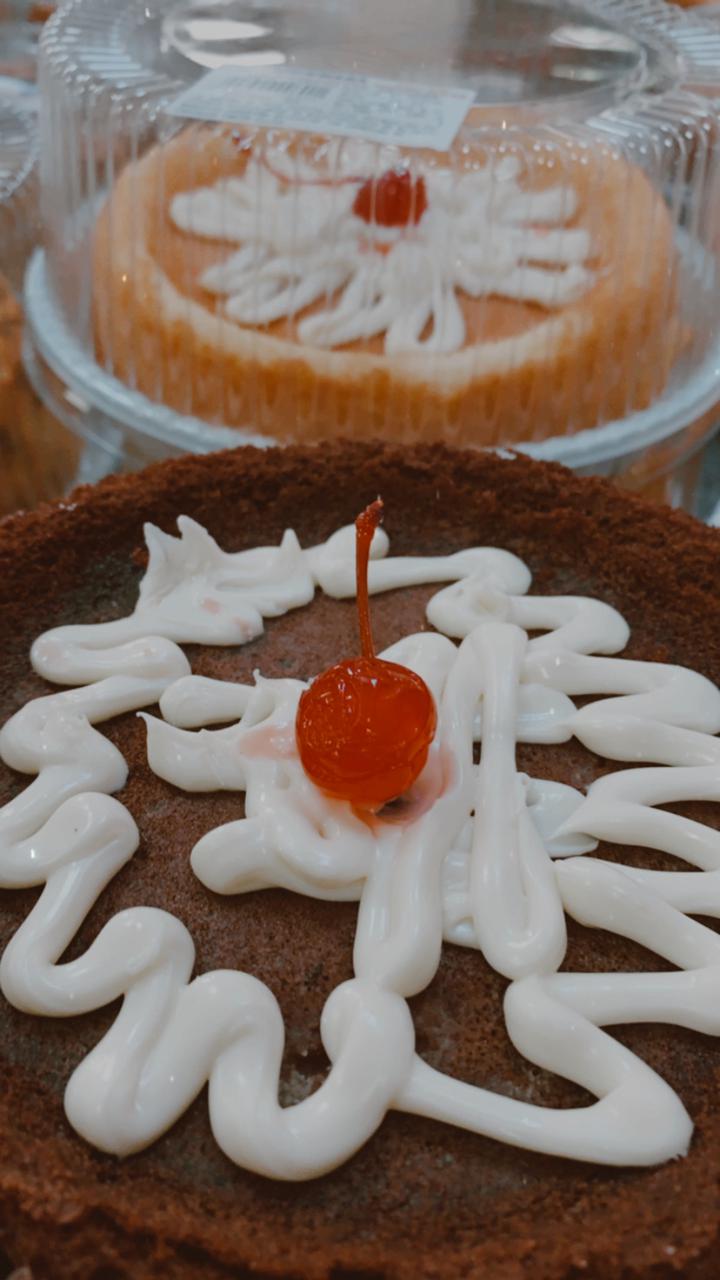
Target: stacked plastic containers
38 457
486 222
18 189
20 26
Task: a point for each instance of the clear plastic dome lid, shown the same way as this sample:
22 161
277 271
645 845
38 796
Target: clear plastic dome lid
507 51
482 220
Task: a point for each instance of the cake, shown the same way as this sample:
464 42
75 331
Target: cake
523 285
418 1196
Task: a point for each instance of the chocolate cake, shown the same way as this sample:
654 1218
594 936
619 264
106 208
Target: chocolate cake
420 1198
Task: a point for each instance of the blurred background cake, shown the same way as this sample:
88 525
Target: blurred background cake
543 278
505 290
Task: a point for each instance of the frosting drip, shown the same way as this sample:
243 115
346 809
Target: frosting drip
304 246
479 855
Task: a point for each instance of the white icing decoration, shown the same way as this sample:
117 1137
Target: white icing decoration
478 855
481 234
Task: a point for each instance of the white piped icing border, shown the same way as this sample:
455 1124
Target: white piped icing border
480 856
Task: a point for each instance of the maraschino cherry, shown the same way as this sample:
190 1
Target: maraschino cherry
395 199
364 726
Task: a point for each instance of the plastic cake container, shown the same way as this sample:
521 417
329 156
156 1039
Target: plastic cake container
181 158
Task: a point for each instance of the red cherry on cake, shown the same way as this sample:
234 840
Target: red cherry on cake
364 726
395 199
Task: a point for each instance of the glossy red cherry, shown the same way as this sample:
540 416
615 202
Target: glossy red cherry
364 726
395 199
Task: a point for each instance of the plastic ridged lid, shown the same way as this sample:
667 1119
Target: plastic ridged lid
149 48
21 22
691 32
20 26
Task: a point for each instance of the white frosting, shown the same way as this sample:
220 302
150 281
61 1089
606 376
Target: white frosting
481 234
481 856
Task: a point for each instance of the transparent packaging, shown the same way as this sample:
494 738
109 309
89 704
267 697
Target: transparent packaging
38 455
704 8
21 22
19 214
550 273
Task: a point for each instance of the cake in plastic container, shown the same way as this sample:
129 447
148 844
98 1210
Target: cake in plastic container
547 269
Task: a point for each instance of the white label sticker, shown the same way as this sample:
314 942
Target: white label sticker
354 106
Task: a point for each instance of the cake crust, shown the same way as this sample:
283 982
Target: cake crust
420 1198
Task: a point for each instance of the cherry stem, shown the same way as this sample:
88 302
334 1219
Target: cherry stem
365 526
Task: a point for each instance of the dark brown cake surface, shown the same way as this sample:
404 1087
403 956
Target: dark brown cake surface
421 1199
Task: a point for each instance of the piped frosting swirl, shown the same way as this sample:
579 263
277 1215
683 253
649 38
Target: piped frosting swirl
480 856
